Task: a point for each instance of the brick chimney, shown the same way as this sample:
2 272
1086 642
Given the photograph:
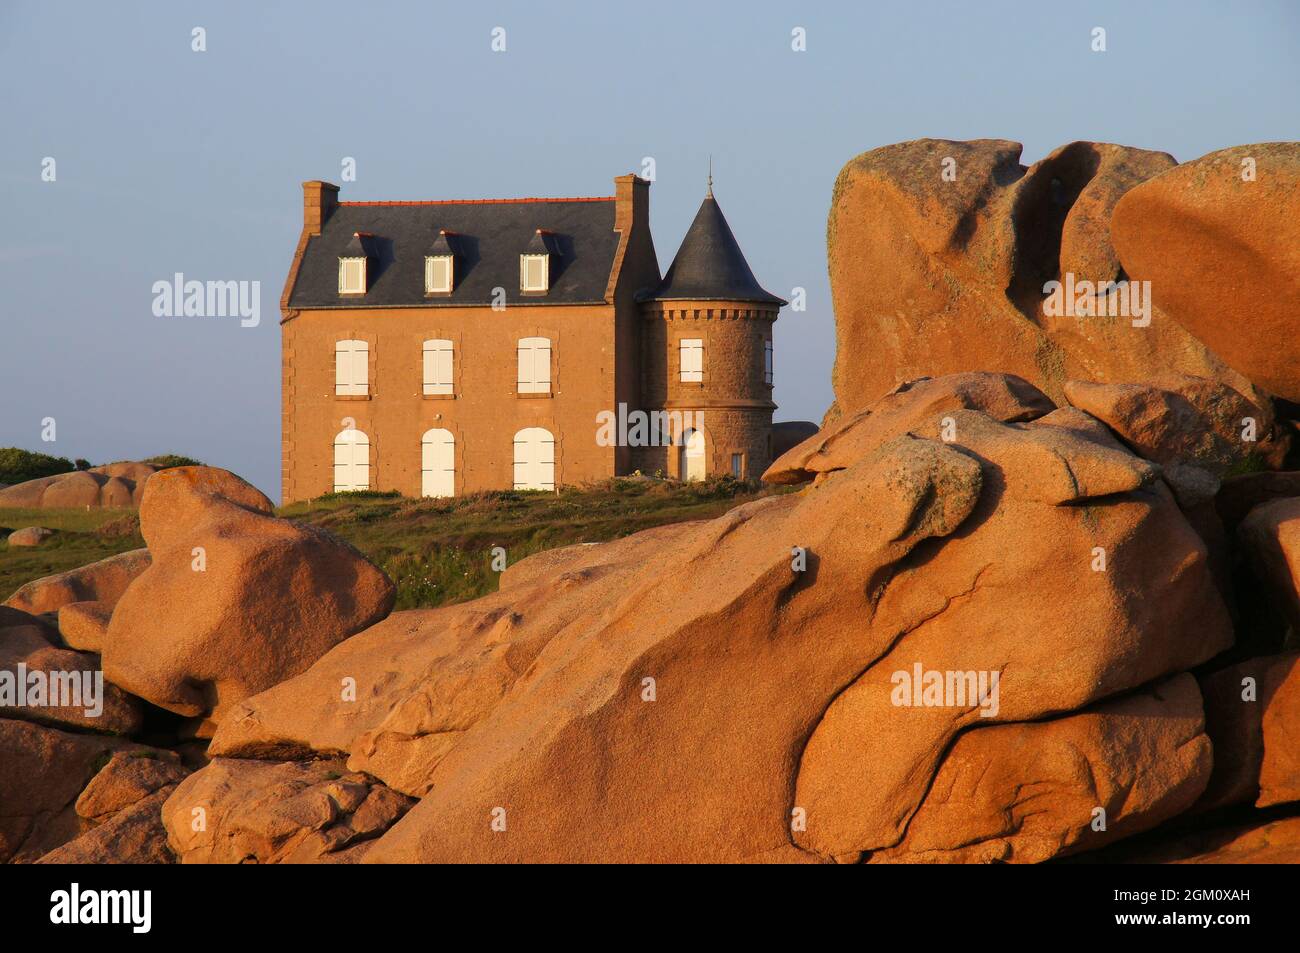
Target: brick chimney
631 201
319 199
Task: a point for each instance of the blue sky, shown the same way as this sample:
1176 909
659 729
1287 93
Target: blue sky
170 160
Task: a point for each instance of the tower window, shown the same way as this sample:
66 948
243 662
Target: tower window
352 276
438 274
692 360
767 362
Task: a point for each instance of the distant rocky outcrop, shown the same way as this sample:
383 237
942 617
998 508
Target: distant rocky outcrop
111 485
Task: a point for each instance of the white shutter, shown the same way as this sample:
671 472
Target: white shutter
351 461
534 459
534 375
438 358
360 366
692 359
438 463
342 366
524 378
542 365
351 367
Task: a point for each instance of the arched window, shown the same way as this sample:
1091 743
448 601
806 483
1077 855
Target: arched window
351 461
351 367
438 358
534 366
534 459
692 455
438 463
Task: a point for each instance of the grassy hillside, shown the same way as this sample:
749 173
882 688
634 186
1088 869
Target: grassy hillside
437 551
84 536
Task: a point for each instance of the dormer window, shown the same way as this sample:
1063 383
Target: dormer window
533 272
353 265
440 265
535 263
352 276
438 274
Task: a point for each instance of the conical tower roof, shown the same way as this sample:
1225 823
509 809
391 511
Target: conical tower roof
710 265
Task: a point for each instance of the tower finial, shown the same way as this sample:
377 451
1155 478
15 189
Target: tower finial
710 192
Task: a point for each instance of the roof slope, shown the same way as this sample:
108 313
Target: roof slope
489 237
710 265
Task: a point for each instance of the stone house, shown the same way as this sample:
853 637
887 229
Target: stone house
446 347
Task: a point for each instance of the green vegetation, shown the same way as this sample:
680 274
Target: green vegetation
436 551
84 536
18 466
165 461
440 551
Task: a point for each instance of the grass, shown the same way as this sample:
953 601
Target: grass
440 551
436 551
84 536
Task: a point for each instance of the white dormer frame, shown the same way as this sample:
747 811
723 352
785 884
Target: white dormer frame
439 274
534 273
352 276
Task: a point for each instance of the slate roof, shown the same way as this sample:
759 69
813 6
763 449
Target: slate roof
710 265
488 237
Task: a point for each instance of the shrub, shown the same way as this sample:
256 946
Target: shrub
165 461
18 466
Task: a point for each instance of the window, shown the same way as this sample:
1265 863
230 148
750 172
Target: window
534 366
534 272
352 276
438 274
351 368
534 459
767 362
738 466
438 463
692 357
351 461
438 367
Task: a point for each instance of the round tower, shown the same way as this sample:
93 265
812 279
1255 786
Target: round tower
707 358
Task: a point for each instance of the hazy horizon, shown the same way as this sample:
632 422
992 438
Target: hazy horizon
170 160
